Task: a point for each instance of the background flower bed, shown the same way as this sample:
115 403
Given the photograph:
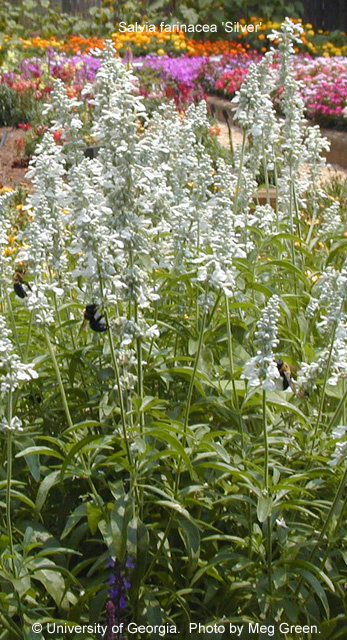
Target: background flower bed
184 78
29 64
177 42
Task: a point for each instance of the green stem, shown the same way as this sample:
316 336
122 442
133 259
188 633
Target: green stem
158 552
69 419
230 350
26 351
232 373
60 382
322 398
266 487
312 225
266 445
14 327
189 398
139 375
239 176
277 194
8 484
266 174
120 394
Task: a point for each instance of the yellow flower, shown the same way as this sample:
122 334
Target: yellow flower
160 52
9 250
5 189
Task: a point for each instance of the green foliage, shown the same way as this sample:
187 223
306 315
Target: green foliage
199 545
43 16
17 107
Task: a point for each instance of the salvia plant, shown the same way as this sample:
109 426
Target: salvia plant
173 362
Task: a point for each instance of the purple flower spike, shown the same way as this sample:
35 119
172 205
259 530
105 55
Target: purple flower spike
114 592
130 563
110 563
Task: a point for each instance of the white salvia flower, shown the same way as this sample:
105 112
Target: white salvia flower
331 291
316 144
45 236
309 374
6 268
12 369
264 217
253 93
256 113
15 425
262 368
340 452
281 523
332 223
292 152
339 432
338 368
37 302
290 33
64 112
94 241
213 275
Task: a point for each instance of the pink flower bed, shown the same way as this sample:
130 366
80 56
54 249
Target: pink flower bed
324 87
323 84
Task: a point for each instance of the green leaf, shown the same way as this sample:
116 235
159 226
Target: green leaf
174 443
49 575
94 515
47 451
318 589
120 518
47 483
82 445
316 570
73 519
287 266
274 399
137 547
264 507
33 460
191 537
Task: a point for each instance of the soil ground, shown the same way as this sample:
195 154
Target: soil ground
11 176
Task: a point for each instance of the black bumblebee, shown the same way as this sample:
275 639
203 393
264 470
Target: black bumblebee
286 375
95 318
20 286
